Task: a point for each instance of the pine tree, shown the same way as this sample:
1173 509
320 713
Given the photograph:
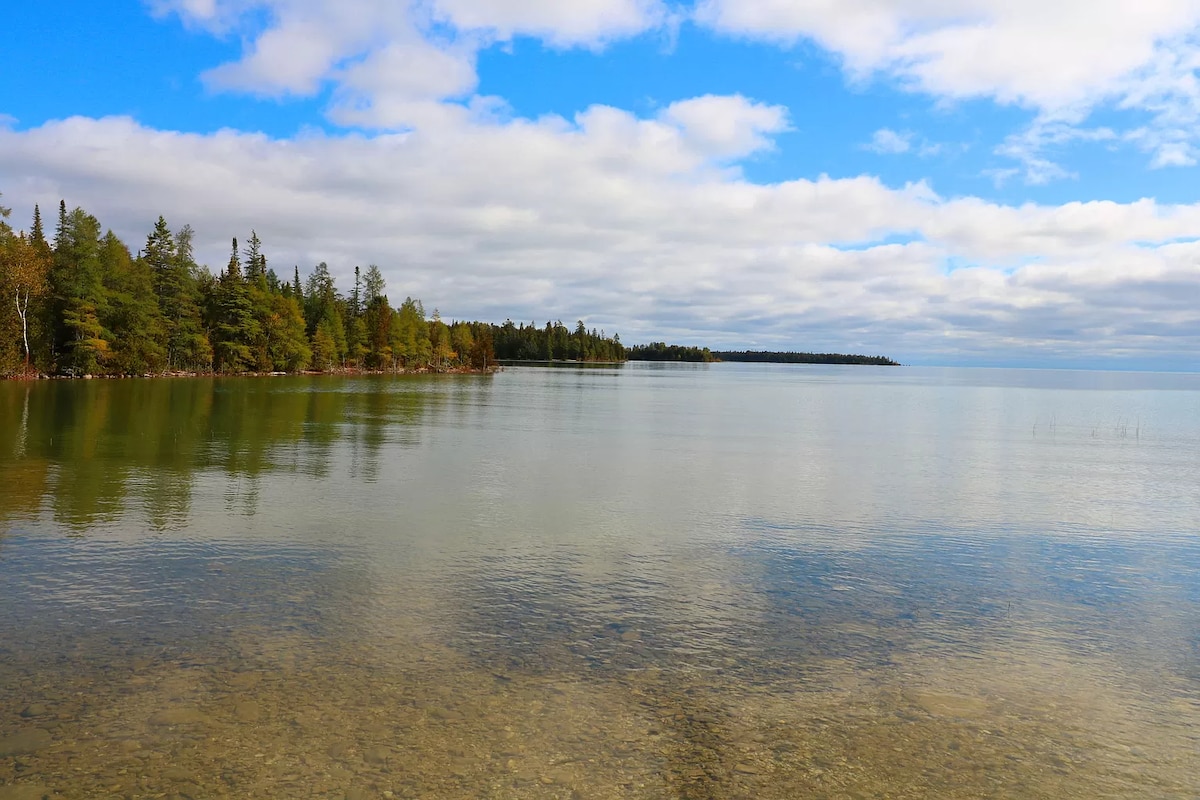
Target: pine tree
236 327
132 318
36 235
78 296
256 262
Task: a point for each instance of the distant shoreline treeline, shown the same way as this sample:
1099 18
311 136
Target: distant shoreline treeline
660 351
762 356
83 304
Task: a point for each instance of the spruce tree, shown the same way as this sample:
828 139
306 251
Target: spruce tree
236 326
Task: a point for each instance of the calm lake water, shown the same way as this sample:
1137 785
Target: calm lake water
723 581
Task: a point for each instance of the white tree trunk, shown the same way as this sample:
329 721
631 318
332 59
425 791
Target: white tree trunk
23 314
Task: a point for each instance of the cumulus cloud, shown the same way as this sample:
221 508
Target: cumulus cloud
389 64
727 127
888 141
639 225
1060 59
388 61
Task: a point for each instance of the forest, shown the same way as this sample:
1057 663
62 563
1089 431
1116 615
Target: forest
661 351
82 304
760 356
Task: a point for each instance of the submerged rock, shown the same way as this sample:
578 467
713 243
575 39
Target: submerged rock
246 711
26 741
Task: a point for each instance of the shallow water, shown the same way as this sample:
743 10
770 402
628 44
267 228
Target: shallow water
653 581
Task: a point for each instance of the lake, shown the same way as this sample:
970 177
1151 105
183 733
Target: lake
651 581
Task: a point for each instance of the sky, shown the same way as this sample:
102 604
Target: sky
957 182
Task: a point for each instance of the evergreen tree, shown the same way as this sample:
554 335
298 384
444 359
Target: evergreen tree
482 354
289 348
133 320
103 311
188 345
373 285
410 335
172 268
36 236
324 347
256 262
323 306
78 297
462 341
236 327
356 304
439 341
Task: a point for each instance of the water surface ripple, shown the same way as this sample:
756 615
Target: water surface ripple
657 581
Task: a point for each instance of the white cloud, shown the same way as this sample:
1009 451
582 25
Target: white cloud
888 141
641 225
1048 55
727 127
579 22
1048 132
1062 59
389 61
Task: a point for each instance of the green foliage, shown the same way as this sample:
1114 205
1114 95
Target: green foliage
410 335
660 351
235 326
287 347
133 322
87 350
24 264
324 347
84 305
378 323
177 288
482 354
554 342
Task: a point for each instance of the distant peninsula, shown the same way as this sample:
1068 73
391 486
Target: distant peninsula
660 351
763 356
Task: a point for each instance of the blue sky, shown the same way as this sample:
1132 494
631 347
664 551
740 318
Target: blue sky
979 181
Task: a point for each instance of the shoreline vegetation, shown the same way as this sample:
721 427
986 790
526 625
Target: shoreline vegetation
82 305
660 351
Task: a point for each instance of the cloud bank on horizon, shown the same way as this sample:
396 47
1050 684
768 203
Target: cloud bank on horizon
976 181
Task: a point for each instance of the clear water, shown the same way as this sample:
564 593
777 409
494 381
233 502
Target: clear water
649 582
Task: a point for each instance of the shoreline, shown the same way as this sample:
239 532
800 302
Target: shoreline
343 372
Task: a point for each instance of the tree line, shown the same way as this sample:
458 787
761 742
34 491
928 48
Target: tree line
555 342
762 356
81 303
661 351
